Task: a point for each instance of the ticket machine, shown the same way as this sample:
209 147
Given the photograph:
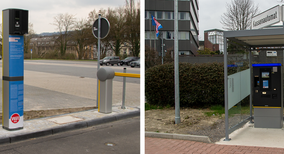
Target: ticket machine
267 95
14 26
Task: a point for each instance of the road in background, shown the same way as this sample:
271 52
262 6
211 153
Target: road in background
76 68
57 84
120 137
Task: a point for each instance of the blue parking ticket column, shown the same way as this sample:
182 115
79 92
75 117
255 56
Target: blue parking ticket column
13 32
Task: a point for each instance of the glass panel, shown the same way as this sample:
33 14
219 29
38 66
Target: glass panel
238 83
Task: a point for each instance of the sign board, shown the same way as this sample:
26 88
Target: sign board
266 18
271 53
104 29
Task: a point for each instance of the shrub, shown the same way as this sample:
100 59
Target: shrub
201 85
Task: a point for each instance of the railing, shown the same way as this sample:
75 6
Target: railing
124 75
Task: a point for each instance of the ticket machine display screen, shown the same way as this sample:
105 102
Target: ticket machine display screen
265 74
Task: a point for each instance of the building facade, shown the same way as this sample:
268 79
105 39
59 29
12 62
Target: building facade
214 40
188 28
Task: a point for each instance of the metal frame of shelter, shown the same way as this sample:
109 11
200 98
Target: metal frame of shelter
249 40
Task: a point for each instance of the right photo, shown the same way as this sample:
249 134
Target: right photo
213 76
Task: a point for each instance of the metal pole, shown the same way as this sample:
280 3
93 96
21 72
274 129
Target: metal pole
162 49
177 103
155 49
250 98
99 52
226 91
123 90
150 33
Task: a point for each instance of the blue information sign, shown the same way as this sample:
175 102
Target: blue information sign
16 55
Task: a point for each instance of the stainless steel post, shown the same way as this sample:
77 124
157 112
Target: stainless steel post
226 91
250 99
123 90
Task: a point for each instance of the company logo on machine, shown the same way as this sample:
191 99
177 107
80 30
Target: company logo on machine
15 118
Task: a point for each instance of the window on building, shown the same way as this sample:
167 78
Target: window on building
183 35
182 15
168 15
184 53
150 35
146 14
169 35
151 13
159 15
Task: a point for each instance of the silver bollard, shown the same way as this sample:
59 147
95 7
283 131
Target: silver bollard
123 90
105 75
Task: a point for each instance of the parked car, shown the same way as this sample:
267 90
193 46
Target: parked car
127 60
135 63
110 60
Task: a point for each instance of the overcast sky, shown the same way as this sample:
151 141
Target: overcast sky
41 12
210 12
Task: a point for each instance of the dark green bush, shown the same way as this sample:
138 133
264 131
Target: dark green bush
201 85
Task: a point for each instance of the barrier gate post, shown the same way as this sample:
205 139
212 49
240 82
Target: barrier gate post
105 75
14 26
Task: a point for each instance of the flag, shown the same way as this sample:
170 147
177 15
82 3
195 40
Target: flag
157 24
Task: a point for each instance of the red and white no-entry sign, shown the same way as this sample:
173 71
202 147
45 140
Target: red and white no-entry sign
15 118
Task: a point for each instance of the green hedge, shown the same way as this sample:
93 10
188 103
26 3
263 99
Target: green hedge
201 85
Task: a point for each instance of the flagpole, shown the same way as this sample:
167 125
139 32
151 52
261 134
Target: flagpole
150 32
155 43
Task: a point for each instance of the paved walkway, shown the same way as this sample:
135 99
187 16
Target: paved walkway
172 146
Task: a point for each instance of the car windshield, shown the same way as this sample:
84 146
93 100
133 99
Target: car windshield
107 58
128 58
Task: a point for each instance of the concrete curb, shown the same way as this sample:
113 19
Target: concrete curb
197 138
67 127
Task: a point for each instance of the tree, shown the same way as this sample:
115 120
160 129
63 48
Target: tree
64 24
239 15
117 19
206 51
27 37
81 37
132 13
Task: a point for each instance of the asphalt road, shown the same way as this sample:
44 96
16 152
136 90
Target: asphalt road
120 137
76 68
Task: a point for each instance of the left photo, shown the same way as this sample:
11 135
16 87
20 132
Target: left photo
70 76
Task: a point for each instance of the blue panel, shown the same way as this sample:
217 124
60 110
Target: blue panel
232 65
16 55
266 65
16 97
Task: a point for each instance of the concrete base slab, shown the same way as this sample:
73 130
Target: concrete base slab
64 119
198 138
261 137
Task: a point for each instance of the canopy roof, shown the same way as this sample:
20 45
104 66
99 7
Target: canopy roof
257 38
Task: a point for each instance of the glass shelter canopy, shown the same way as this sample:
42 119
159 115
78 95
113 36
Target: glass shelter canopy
238 78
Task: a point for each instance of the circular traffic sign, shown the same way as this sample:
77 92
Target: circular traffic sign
104 28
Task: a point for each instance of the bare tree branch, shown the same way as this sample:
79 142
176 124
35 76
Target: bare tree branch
239 15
